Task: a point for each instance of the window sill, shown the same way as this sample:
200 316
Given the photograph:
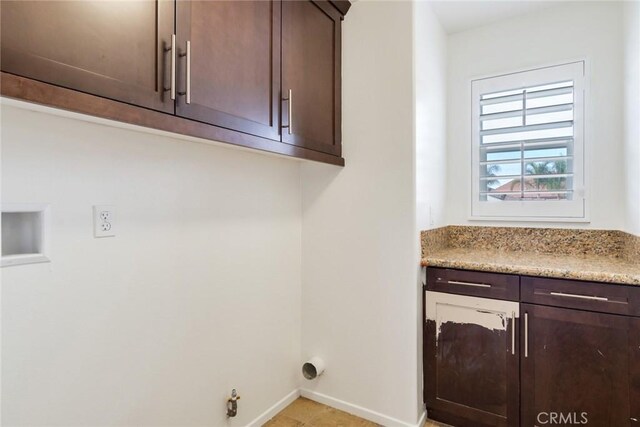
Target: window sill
529 219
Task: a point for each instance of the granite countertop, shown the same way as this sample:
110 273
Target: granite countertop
599 256
597 268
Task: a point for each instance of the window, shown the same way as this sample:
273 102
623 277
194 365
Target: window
528 145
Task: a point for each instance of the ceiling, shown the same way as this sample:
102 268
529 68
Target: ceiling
456 16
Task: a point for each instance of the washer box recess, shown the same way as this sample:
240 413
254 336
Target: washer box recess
25 234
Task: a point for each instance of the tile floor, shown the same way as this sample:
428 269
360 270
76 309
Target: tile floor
305 412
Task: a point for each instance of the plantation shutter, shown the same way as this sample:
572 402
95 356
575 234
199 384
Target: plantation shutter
526 143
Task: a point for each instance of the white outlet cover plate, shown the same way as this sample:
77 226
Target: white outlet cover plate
104 221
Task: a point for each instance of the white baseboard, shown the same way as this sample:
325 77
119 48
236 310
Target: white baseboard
272 411
423 419
359 411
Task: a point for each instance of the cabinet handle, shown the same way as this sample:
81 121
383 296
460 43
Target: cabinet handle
172 83
562 294
187 92
478 285
526 335
290 112
188 72
289 100
513 332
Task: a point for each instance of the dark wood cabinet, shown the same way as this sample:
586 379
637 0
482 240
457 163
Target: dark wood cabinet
590 296
634 377
235 64
474 283
576 346
113 49
576 367
223 70
471 360
311 74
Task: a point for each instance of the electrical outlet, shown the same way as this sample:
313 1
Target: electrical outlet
104 221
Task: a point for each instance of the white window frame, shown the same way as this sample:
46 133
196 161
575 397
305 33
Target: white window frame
574 210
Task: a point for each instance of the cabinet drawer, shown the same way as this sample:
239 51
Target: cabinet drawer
600 297
474 283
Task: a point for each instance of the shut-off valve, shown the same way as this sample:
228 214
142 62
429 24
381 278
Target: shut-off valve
232 404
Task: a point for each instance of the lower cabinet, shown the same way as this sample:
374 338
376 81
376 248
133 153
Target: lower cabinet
634 377
573 357
576 367
472 360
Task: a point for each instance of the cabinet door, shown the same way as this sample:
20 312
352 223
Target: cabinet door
234 76
634 361
311 73
471 372
114 49
575 365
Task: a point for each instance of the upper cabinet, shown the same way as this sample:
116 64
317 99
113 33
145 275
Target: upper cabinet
113 49
233 52
311 75
263 74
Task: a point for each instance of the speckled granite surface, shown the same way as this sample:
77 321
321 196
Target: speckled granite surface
437 238
632 248
597 255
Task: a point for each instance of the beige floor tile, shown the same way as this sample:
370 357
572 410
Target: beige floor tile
304 410
336 418
431 423
307 413
283 421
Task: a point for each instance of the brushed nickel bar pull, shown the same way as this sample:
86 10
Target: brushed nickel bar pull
526 334
290 128
289 100
562 294
188 100
173 66
187 91
513 332
478 285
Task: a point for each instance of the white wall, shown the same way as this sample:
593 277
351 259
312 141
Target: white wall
430 62
571 31
632 113
360 294
199 291
430 97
